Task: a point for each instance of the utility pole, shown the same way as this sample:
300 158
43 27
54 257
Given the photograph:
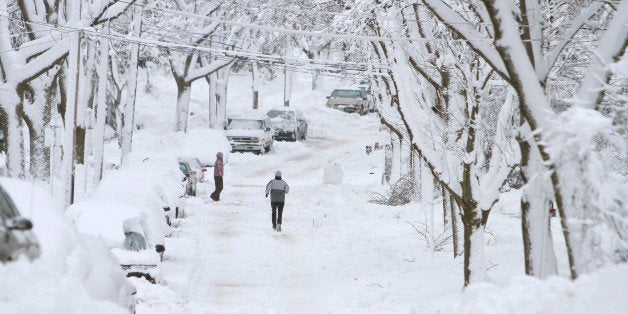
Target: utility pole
75 124
255 85
287 86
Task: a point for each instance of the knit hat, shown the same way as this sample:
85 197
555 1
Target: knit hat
278 173
219 154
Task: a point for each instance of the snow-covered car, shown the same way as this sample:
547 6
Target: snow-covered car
76 268
204 144
250 133
126 230
190 177
162 169
289 124
349 100
144 192
16 237
195 165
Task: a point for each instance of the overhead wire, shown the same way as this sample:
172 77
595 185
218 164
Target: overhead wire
316 65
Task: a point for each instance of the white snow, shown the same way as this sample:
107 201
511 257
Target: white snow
74 274
337 253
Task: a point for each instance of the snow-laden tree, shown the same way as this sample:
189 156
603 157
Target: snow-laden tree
573 150
440 91
39 76
202 26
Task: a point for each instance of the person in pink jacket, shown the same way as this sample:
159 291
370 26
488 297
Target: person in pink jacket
219 172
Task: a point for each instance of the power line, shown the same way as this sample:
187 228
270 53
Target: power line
312 65
320 34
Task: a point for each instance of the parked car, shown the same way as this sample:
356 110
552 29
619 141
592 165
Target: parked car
203 144
16 237
85 268
162 169
195 165
250 134
190 177
127 231
141 191
289 124
349 100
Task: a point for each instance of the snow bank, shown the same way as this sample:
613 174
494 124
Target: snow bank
601 292
74 274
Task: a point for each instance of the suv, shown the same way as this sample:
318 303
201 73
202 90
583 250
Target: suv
250 134
15 235
290 125
349 100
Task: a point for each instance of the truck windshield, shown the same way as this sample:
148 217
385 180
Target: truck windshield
346 93
245 124
286 115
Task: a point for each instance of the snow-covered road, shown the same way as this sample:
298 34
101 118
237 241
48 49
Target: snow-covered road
225 257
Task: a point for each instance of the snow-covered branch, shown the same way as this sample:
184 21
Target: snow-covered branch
459 25
576 25
214 66
612 45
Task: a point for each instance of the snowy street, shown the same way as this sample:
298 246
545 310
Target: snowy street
436 156
226 258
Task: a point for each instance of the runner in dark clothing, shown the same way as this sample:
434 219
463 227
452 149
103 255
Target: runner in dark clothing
277 188
218 174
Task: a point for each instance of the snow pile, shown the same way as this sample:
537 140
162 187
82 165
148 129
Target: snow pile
600 292
74 274
204 144
332 174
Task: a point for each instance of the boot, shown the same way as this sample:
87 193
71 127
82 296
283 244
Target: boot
279 227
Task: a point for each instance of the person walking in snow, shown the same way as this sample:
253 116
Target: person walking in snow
218 174
277 188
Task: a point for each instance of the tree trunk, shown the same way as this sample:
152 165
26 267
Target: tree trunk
101 112
317 81
36 110
40 154
129 108
69 135
221 95
183 105
211 81
474 260
538 247
14 139
457 234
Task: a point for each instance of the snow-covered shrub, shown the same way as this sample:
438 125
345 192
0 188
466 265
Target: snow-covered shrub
401 192
435 242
